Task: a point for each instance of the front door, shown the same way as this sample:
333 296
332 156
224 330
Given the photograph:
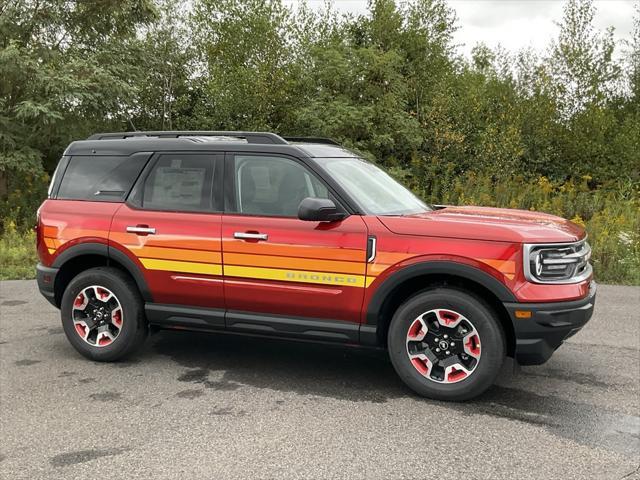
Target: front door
171 228
278 268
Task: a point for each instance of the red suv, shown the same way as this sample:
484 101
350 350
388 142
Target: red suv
253 233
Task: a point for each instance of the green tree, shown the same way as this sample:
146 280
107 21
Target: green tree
244 52
581 62
163 98
65 68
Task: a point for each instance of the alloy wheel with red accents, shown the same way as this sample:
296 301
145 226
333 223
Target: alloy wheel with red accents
446 343
443 346
97 316
103 314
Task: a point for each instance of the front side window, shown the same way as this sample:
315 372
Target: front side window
180 183
372 188
273 186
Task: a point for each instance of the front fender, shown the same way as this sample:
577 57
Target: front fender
387 286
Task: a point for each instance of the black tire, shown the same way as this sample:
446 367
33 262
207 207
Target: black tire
485 322
134 326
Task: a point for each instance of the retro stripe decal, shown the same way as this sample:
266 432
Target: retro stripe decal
55 237
50 243
276 262
303 276
384 261
506 267
269 261
165 241
295 251
180 254
182 267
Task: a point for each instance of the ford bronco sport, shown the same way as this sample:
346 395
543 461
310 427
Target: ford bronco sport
253 233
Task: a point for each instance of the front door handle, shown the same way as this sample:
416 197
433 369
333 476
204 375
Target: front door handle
141 230
250 236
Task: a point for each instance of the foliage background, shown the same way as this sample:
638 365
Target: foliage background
557 131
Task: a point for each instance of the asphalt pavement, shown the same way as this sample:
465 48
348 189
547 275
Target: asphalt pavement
204 406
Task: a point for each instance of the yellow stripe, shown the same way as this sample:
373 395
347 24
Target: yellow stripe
182 267
301 276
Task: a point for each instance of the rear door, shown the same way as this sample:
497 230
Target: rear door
171 227
282 274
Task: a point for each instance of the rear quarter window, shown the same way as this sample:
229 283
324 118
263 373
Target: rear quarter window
100 178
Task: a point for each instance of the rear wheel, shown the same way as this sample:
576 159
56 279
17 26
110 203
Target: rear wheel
102 314
446 344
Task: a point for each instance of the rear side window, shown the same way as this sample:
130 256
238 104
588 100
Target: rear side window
99 178
55 178
180 183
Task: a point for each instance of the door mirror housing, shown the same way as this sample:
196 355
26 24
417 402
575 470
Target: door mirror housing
319 210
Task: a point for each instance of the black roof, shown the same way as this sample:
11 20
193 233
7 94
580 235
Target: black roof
127 143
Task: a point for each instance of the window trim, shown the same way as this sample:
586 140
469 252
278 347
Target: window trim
135 198
58 175
230 207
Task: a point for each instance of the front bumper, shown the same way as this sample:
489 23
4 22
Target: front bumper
46 277
550 324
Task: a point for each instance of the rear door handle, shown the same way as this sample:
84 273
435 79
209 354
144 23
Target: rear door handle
141 230
250 236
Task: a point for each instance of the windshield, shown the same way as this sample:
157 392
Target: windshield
372 188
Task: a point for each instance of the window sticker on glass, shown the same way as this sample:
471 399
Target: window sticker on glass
179 186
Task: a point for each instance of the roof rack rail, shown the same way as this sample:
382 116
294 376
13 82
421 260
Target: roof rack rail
250 137
328 141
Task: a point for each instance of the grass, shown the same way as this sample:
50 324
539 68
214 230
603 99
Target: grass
18 256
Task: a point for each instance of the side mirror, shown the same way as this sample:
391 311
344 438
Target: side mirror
319 210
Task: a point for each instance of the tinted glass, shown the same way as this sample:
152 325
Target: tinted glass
372 188
55 178
273 185
181 183
101 179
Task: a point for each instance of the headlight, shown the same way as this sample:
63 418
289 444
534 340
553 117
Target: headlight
557 263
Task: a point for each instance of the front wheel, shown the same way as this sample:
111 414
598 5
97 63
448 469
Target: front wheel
103 315
446 344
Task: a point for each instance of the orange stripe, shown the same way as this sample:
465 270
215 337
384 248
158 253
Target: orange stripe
50 243
50 231
295 251
177 254
386 260
373 270
71 233
508 267
391 258
293 263
166 241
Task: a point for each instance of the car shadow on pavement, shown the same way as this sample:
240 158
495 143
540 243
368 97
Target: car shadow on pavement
340 372
228 362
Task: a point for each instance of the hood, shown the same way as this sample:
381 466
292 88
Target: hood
485 223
